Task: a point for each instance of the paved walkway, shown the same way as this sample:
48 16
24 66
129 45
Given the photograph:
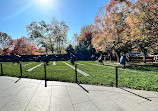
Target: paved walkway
80 64
31 95
34 67
26 64
54 63
83 73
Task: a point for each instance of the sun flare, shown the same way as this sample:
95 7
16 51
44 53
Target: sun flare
44 4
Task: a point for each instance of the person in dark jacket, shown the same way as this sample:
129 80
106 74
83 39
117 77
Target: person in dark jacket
100 59
72 58
93 57
123 60
156 58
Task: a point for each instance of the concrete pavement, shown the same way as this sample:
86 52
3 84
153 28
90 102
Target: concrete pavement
32 95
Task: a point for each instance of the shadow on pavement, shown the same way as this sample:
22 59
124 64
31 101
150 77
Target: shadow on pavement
17 80
83 88
136 94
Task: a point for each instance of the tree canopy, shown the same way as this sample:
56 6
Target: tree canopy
4 39
21 46
123 25
50 35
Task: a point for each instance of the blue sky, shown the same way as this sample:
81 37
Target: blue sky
15 15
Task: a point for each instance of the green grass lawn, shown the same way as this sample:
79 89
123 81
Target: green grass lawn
140 77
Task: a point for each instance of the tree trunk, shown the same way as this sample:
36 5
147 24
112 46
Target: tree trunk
46 50
118 55
144 55
52 48
51 45
144 58
59 48
110 56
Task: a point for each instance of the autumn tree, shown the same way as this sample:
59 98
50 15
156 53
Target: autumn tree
21 46
110 25
84 48
143 24
1 51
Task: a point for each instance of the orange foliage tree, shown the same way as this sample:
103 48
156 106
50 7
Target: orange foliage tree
84 48
110 25
21 46
143 25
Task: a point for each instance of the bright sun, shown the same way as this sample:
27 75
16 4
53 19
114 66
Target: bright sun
44 4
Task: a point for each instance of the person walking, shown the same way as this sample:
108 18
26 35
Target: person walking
93 57
100 59
156 58
123 60
72 58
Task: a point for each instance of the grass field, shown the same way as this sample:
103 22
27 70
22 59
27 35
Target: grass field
140 77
